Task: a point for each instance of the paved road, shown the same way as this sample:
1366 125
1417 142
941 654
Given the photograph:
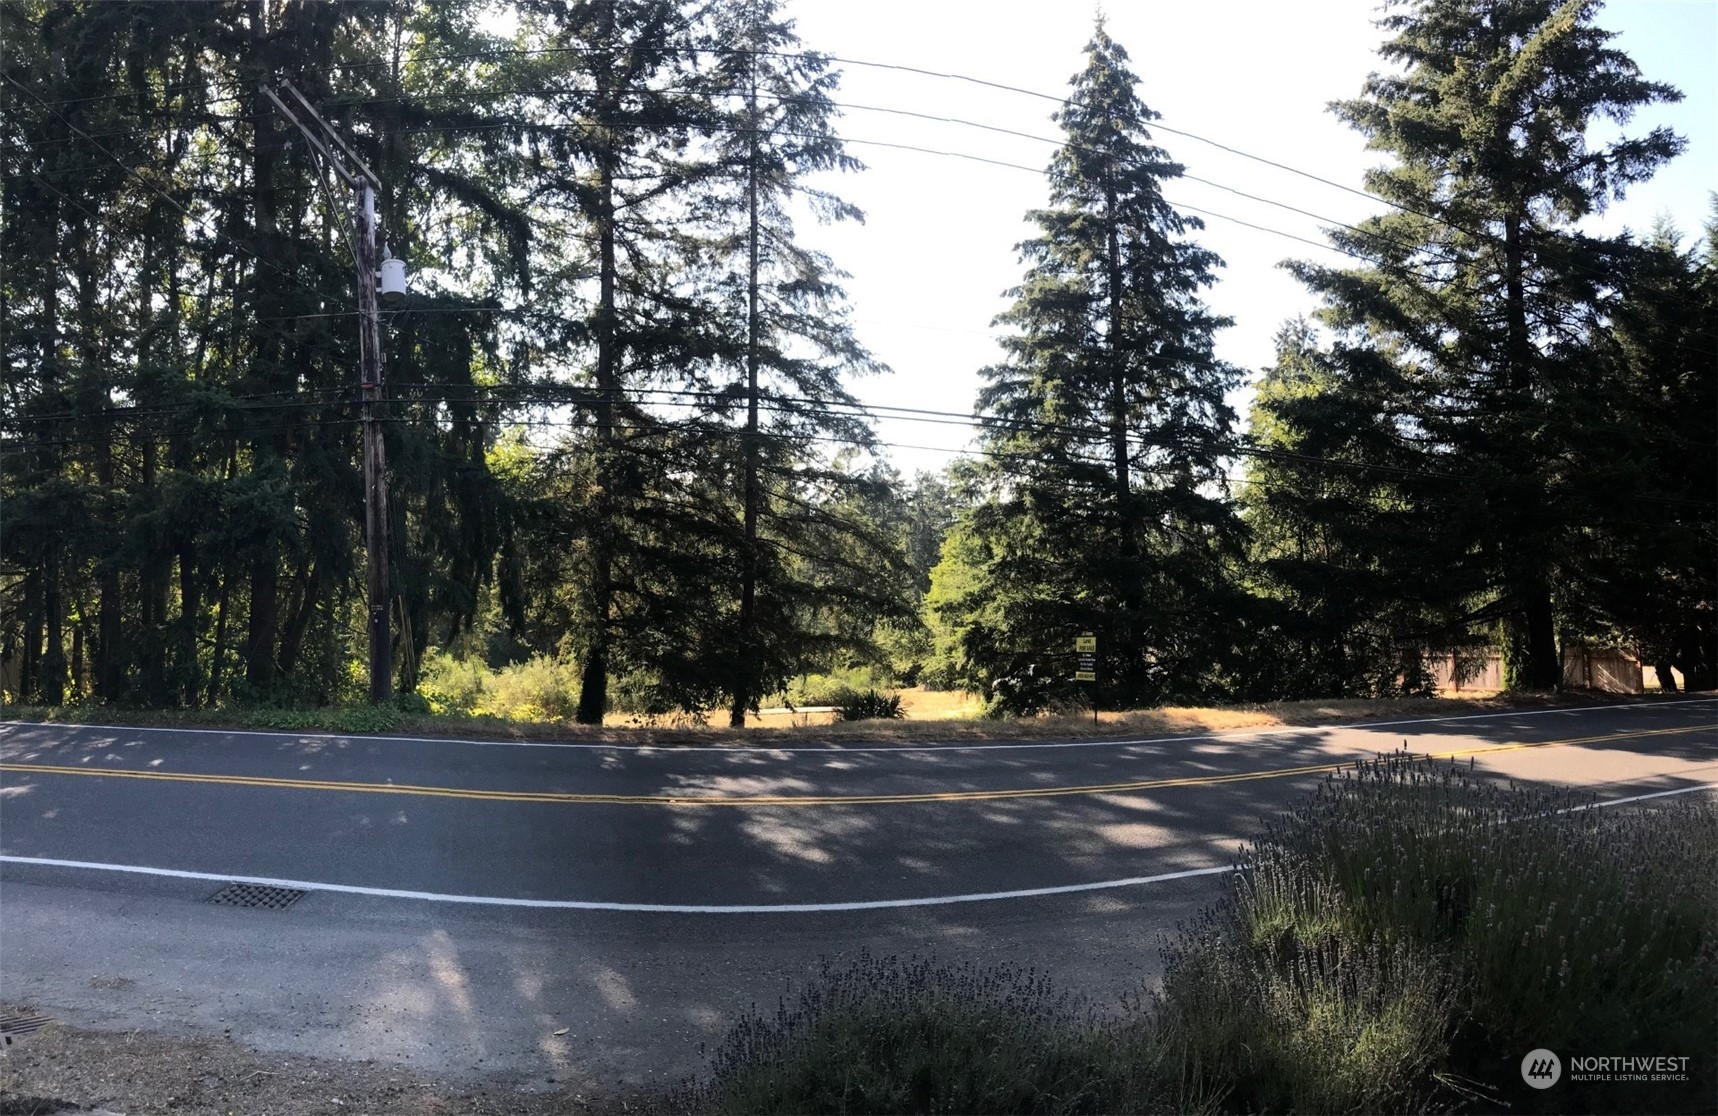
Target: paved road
468 895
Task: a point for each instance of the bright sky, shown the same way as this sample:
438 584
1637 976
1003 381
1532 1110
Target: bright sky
929 266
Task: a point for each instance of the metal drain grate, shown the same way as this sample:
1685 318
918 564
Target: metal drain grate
253 895
17 1025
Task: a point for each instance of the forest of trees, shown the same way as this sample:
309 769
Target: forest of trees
620 423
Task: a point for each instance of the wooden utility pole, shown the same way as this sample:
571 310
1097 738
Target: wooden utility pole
363 184
375 455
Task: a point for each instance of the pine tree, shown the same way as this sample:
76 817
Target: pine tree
793 348
1645 569
1342 535
1106 428
1483 295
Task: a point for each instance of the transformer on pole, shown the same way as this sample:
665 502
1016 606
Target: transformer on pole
392 275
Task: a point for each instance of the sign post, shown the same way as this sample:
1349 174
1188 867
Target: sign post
1086 665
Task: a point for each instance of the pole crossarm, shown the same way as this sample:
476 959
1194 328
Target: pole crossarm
319 142
333 134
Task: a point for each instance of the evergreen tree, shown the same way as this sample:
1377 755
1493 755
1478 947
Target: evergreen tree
792 349
1483 296
1100 507
1644 570
1342 537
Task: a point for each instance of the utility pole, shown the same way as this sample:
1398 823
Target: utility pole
363 184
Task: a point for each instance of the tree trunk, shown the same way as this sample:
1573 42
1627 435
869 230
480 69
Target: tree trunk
593 686
1530 660
1530 637
220 648
53 683
309 594
111 662
188 676
263 618
218 654
747 673
1128 648
30 661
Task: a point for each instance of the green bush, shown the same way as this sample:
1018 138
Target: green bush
352 718
413 704
452 685
286 720
869 706
1454 925
540 688
367 718
836 686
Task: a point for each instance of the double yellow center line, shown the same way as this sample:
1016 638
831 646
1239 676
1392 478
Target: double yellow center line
755 800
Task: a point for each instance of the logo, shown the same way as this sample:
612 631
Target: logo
1541 1069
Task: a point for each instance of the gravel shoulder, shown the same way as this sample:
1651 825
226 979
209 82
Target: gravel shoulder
64 1069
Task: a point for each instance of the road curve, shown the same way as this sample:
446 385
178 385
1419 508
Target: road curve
622 905
747 829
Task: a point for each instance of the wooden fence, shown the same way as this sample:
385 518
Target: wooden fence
1610 669
1485 674
1613 670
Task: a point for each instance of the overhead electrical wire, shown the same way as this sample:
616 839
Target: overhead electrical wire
940 152
789 405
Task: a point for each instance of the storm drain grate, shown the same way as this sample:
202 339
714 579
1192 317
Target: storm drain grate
253 895
17 1025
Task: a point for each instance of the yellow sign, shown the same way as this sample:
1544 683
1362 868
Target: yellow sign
1086 642
1085 676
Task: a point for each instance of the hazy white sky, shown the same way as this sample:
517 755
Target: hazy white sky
930 264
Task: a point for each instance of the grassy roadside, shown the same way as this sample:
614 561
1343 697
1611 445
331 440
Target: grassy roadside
929 717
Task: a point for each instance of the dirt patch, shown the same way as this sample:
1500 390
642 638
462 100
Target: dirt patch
64 1069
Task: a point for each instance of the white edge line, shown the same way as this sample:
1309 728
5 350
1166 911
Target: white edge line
1639 797
688 908
839 749
583 905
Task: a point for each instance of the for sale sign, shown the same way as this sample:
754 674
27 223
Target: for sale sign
1086 657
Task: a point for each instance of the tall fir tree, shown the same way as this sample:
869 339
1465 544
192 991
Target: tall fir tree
1342 539
1102 504
1644 570
806 551
1484 295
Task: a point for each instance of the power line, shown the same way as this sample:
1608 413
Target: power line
811 408
129 169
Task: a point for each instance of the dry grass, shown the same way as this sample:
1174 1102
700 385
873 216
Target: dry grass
931 717
954 716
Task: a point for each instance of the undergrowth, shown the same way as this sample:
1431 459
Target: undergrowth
1395 943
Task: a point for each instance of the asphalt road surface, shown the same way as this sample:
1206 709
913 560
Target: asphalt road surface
468 899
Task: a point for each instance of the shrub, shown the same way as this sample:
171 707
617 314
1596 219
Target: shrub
869 705
897 1034
540 688
414 704
836 686
1397 942
452 685
1453 925
287 720
352 718
366 718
